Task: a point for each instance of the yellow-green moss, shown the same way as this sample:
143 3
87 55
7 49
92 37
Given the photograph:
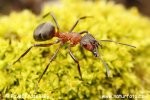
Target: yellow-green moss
129 67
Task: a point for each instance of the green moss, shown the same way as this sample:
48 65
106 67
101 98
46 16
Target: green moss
129 67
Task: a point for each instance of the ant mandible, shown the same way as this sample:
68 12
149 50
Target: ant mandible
47 31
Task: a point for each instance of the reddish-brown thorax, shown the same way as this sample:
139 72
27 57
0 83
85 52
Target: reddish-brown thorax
74 38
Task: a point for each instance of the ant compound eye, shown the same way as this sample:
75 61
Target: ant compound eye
44 31
84 45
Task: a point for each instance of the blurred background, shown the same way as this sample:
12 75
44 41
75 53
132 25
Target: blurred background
6 6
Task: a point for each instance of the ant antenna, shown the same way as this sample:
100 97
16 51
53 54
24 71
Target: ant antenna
118 43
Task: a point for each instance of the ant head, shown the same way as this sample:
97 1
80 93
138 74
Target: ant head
90 43
44 31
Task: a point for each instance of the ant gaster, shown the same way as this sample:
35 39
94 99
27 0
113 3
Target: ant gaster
47 31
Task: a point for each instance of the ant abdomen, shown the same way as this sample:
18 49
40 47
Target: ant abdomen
44 31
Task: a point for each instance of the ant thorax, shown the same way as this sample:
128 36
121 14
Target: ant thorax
74 38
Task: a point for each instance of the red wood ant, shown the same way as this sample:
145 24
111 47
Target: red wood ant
47 31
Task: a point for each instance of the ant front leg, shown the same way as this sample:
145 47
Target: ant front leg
73 57
34 45
84 17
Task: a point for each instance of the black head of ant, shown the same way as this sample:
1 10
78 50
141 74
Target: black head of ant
90 43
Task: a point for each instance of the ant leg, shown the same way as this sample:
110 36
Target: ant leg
34 45
82 32
52 58
73 57
118 43
84 17
51 14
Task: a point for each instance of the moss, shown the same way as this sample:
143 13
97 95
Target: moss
129 67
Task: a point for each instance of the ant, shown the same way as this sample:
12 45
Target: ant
47 31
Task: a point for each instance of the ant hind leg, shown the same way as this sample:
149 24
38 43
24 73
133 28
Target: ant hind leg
34 45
